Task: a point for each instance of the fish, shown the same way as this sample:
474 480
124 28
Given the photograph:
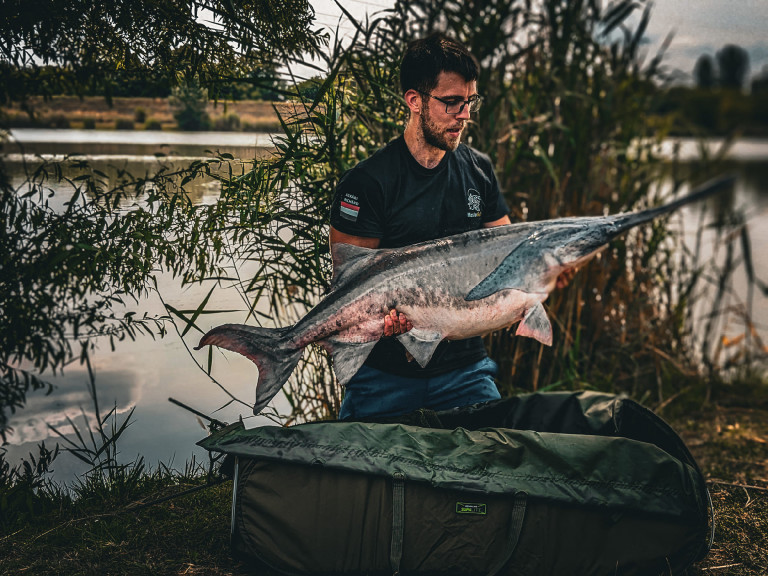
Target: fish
456 287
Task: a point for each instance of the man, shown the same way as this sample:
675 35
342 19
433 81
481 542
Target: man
423 185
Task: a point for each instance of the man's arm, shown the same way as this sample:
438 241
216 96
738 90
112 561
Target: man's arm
337 237
500 222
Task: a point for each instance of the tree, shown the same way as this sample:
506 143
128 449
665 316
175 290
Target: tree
704 72
733 64
67 265
189 103
89 42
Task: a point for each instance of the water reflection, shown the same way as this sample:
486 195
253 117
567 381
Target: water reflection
746 150
744 305
244 145
112 171
70 400
146 372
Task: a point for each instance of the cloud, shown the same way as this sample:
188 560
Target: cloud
70 399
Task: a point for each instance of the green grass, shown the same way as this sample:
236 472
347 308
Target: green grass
188 534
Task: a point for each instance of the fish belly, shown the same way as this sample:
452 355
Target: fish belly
458 319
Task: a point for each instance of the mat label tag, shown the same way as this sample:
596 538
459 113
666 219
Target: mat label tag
470 508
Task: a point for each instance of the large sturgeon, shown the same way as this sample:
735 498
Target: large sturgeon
456 287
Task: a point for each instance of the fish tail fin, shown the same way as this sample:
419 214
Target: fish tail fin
701 192
269 348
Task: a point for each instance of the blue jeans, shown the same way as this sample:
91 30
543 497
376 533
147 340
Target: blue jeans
372 392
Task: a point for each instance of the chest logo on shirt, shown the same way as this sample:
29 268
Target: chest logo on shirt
474 204
350 207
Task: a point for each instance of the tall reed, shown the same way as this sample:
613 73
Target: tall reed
568 92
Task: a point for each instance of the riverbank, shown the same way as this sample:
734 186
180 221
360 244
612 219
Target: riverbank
140 532
138 113
95 113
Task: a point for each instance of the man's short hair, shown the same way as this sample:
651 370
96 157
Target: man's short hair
425 58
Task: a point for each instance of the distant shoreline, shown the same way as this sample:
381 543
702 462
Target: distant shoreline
139 114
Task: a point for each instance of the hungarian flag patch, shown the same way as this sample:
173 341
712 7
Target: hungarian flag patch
350 207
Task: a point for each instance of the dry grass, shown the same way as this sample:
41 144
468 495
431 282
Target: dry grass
731 446
253 114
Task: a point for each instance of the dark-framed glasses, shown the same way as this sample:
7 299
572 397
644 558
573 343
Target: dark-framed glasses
455 106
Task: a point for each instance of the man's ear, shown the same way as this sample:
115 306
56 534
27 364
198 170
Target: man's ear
413 100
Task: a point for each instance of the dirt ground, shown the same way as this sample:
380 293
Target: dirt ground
731 447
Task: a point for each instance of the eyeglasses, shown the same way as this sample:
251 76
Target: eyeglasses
454 106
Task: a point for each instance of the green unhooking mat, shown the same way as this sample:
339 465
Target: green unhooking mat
542 484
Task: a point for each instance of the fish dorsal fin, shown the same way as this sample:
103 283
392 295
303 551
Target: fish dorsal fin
420 344
348 259
536 325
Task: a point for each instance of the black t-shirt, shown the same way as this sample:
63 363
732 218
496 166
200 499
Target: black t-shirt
390 196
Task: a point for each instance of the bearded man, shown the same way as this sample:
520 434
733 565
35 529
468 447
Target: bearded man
424 185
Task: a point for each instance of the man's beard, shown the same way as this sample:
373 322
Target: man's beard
433 136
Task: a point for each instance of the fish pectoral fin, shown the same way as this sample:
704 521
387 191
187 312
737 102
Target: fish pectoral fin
518 271
420 344
348 357
491 284
536 325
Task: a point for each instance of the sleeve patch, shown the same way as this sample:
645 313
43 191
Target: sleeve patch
350 207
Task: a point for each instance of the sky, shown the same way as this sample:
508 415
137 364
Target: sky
699 26
705 26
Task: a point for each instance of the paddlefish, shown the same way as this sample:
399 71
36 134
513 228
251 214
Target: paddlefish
456 287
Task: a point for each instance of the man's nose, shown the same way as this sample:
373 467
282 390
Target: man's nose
464 114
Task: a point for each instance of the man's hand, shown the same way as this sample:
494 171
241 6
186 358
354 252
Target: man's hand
395 323
565 277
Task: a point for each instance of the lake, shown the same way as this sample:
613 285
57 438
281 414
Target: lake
146 372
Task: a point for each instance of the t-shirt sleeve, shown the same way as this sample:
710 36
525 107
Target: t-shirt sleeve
357 208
